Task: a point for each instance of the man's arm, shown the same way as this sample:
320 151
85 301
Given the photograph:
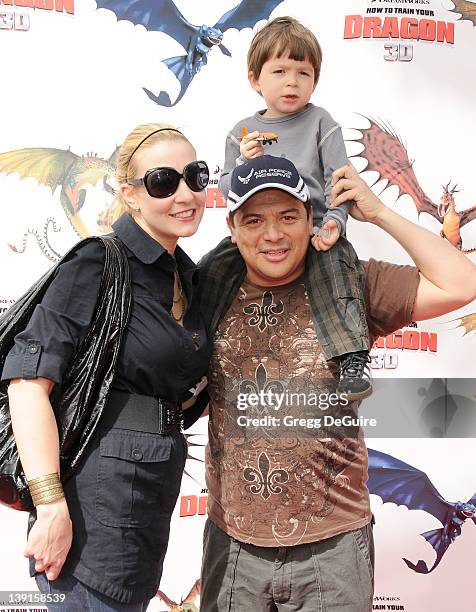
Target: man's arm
447 276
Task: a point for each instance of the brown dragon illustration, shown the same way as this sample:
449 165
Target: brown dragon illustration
386 154
61 168
189 604
466 9
468 323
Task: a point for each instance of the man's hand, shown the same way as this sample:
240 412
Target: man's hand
50 538
348 186
250 147
327 236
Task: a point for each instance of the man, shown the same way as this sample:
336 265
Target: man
289 523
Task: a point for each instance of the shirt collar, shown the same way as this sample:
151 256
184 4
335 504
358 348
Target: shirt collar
143 246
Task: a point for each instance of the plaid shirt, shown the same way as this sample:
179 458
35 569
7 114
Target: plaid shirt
334 286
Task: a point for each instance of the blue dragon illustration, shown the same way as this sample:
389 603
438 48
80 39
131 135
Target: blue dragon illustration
164 16
397 482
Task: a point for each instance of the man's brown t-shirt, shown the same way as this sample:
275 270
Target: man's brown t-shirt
269 485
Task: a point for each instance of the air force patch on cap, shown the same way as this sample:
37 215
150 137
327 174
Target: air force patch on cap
265 172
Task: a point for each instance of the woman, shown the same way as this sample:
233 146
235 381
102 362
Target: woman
102 541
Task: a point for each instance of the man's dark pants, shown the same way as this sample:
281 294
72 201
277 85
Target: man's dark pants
335 574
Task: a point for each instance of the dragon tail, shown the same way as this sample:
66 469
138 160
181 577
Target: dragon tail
178 66
438 539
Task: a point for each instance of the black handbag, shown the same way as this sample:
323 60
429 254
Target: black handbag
78 402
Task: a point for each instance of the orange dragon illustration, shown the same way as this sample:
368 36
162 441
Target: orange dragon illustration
466 9
60 168
189 604
386 154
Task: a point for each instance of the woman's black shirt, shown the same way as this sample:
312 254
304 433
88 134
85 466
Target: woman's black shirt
158 356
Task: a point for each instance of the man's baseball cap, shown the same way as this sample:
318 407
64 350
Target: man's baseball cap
265 172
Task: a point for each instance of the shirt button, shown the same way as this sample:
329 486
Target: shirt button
33 349
137 454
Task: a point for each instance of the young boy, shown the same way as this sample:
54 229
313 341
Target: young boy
284 63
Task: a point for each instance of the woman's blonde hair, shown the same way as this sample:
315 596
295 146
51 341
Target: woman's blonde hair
141 136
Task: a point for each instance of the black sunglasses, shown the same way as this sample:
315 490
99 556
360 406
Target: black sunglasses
163 182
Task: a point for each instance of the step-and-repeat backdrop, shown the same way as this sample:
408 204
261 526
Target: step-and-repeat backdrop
398 75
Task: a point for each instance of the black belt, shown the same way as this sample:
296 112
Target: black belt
142 413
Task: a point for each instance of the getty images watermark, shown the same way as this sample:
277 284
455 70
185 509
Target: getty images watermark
398 408
299 403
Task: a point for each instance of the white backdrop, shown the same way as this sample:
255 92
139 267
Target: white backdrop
74 81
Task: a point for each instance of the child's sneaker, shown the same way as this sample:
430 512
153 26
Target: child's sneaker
355 377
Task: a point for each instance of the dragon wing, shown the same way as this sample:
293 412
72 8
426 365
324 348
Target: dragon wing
465 216
246 14
47 166
190 457
386 154
169 602
157 15
402 484
468 323
466 9
194 593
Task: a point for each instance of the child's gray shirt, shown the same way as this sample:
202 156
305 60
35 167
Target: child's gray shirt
312 140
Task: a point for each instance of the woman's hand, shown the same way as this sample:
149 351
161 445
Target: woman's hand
50 538
348 186
250 147
36 435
